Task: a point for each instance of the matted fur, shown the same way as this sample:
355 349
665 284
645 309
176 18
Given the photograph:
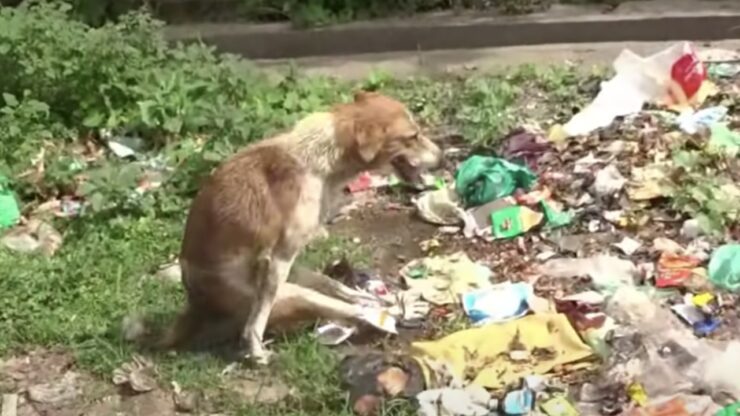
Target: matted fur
259 209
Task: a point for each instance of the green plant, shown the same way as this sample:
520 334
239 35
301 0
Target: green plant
702 189
524 6
25 123
62 78
486 110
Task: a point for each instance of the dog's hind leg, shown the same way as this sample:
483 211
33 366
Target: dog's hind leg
275 275
324 284
296 304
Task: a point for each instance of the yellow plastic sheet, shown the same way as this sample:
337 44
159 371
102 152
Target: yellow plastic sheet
483 353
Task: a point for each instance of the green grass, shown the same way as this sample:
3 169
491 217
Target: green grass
63 82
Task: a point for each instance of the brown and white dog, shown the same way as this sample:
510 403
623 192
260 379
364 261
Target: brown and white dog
260 208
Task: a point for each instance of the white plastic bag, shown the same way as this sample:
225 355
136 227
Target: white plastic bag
638 80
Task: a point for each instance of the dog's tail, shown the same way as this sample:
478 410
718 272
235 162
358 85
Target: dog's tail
186 328
148 335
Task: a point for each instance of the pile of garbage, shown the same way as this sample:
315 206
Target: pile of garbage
630 307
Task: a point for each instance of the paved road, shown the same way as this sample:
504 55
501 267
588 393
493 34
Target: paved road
489 59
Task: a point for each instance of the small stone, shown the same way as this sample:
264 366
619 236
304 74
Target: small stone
691 229
169 273
61 392
262 392
186 402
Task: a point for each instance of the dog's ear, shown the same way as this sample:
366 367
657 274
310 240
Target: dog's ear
369 141
363 95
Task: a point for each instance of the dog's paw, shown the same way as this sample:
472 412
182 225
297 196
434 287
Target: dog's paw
321 233
416 310
409 305
261 357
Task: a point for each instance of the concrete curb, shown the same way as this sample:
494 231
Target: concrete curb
468 61
449 32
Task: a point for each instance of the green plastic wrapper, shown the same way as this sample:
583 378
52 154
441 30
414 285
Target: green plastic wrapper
724 267
731 410
554 217
513 221
482 179
9 212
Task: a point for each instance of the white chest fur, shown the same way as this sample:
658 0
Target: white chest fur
305 223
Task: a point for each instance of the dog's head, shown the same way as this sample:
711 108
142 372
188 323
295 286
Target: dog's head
378 131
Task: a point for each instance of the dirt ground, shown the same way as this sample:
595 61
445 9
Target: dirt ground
393 234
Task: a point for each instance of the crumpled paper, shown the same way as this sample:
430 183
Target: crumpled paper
440 206
441 280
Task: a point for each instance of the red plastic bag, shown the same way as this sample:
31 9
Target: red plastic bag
363 182
689 72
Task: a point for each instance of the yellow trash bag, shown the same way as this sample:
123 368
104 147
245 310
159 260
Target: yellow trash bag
483 353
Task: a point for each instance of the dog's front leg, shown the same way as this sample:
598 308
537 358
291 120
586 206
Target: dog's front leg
324 284
277 273
296 304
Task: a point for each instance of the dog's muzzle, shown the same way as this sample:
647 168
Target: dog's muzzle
433 156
